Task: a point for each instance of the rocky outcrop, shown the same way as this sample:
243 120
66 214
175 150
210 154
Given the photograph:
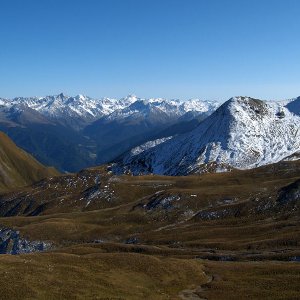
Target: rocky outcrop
12 243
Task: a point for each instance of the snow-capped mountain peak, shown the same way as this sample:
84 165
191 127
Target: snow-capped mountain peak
242 133
67 109
128 100
81 97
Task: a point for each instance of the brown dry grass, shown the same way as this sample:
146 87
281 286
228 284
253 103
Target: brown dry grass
18 168
87 273
166 260
253 280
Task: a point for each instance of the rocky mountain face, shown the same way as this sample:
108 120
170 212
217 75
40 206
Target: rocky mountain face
71 133
243 133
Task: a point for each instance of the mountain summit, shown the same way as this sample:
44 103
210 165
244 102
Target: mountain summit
243 133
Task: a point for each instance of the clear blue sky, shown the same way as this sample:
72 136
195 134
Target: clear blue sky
211 49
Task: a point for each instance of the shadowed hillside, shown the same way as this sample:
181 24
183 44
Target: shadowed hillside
18 168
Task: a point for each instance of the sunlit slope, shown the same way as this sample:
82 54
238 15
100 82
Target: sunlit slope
18 168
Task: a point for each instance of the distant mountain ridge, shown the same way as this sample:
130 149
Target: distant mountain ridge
72 133
80 106
242 133
173 137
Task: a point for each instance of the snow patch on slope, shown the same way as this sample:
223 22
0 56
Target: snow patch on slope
243 133
139 149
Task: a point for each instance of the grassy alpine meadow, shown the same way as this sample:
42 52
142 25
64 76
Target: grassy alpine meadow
213 236
89 273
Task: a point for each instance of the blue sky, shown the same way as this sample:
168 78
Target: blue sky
210 49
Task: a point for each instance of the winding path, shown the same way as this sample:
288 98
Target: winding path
193 294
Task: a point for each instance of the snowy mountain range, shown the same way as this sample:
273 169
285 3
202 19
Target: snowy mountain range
156 135
243 133
89 109
72 133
